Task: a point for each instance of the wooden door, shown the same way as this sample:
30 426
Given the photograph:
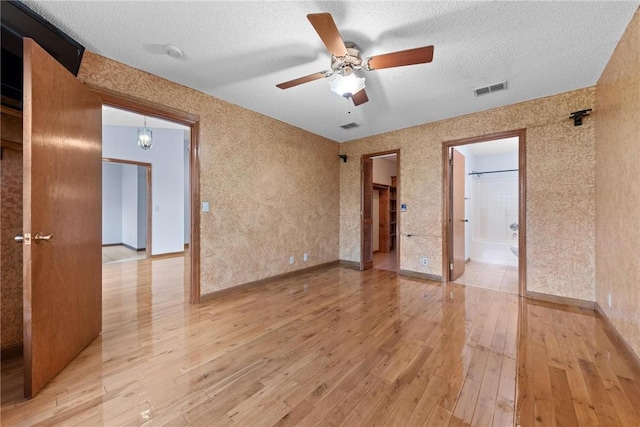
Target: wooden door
366 246
458 220
62 138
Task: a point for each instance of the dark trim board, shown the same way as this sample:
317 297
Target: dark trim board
566 301
432 277
618 340
132 248
250 285
107 245
353 265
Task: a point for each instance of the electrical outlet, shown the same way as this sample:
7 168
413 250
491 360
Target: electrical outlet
609 299
424 261
305 257
291 260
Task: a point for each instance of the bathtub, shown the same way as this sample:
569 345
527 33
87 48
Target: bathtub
492 252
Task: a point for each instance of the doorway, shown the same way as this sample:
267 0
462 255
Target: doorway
484 211
380 219
126 210
191 191
60 205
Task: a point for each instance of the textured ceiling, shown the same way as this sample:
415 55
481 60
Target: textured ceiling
239 51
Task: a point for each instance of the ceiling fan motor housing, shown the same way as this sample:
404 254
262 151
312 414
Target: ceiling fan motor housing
347 64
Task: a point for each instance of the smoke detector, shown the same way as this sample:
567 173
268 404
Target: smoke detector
173 51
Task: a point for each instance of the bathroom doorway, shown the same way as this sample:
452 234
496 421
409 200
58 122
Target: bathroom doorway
484 212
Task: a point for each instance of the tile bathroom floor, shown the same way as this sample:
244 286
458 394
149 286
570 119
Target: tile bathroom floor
490 276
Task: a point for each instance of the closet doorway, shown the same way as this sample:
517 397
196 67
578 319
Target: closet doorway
380 219
484 211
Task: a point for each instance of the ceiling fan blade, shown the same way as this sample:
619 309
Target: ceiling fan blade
360 97
420 55
326 28
305 79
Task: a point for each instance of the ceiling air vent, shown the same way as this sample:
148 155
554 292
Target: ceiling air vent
491 88
350 125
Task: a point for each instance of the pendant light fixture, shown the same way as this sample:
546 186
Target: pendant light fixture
145 139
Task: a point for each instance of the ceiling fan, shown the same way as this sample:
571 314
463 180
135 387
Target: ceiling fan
346 61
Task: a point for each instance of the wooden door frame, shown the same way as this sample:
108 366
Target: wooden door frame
147 166
398 183
522 201
135 105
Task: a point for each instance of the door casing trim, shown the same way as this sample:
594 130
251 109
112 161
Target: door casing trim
125 102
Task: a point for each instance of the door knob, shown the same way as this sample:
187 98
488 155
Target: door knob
43 237
464 220
19 238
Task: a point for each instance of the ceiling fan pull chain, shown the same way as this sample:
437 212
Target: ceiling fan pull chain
348 98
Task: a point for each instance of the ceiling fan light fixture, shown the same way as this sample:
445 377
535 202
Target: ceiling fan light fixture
346 85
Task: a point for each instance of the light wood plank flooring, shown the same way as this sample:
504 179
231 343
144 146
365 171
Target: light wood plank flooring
385 260
332 347
121 253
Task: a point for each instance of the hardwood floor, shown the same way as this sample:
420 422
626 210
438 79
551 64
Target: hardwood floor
331 347
385 260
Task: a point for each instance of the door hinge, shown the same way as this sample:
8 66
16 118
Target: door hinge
450 162
451 266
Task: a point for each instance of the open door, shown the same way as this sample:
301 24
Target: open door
458 220
62 163
366 246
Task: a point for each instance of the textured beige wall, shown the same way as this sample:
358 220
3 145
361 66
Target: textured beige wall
272 187
618 186
10 252
560 189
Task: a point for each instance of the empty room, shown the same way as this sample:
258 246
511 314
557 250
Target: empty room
383 213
